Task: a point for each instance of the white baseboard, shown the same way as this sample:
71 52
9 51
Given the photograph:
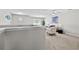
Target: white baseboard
72 34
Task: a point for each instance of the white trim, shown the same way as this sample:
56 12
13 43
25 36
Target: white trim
71 34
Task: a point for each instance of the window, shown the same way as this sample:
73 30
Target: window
55 19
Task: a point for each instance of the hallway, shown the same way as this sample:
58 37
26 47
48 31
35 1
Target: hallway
62 42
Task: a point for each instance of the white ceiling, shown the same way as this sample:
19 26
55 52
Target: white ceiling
43 12
28 11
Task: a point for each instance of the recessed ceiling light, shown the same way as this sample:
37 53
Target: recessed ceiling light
20 13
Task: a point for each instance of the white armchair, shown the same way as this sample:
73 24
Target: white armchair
51 30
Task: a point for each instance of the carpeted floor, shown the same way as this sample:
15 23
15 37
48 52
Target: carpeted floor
62 42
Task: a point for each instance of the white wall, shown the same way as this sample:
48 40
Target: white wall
38 12
21 20
70 21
